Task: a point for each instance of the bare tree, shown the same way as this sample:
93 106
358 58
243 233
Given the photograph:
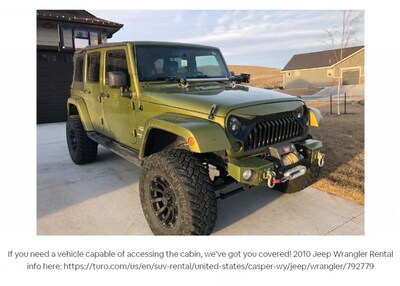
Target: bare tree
341 37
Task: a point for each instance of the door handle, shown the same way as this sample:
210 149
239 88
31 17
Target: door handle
104 95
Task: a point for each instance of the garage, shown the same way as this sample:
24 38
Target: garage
351 77
54 75
323 68
59 34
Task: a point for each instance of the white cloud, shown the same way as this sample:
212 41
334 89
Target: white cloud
267 38
251 33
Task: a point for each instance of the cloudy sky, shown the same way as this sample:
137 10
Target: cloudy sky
246 37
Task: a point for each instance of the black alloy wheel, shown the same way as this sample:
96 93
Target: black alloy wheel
163 201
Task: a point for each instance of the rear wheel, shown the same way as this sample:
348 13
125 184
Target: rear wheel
177 195
81 148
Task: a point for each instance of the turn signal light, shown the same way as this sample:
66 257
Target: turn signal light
191 141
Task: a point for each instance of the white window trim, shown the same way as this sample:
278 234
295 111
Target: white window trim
351 68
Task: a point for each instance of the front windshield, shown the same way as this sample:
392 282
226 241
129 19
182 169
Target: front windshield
156 62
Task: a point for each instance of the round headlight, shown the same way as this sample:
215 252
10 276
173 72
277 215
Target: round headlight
234 125
299 113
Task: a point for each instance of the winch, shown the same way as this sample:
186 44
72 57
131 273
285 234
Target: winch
289 174
286 154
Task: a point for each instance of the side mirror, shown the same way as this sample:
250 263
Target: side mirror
116 79
243 77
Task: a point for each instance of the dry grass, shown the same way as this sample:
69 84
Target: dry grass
263 77
301 91
343 139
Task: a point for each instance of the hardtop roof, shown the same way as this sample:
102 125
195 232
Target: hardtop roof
143 43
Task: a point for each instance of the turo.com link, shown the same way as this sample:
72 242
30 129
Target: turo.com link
346 266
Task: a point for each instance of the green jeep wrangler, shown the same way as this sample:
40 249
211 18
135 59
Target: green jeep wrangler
175 110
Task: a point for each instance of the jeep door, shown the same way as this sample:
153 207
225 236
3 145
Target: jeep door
118 110
91 89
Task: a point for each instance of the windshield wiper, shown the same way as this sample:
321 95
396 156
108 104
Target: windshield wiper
154 78
185 80
163 78
201 76
207 79
175 79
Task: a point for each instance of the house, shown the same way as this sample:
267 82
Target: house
320 69
59 34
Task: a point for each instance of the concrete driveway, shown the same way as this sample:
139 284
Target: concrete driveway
103 198
353 92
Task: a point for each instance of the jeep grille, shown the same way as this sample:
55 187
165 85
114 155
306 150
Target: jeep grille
273 131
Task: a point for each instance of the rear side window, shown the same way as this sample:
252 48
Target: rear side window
93 68
78 72
116 61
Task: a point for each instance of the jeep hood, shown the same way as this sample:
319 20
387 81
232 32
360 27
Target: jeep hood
245 101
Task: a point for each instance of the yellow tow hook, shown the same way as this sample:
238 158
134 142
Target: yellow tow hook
320 159
271 179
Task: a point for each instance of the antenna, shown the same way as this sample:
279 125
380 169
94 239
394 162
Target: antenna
134 44
135 63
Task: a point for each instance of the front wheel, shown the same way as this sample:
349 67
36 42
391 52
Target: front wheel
176 194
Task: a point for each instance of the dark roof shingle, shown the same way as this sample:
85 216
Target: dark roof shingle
76 16
319 59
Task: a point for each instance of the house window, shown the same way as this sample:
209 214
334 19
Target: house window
297 73
93 68
329 73
81 34
67 39
81 39
94 38
80 43
72 38
288 74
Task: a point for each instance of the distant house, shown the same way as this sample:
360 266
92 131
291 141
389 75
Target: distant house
320 69
59 34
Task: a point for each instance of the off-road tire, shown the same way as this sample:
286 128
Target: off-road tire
81 148
176 184
300 183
